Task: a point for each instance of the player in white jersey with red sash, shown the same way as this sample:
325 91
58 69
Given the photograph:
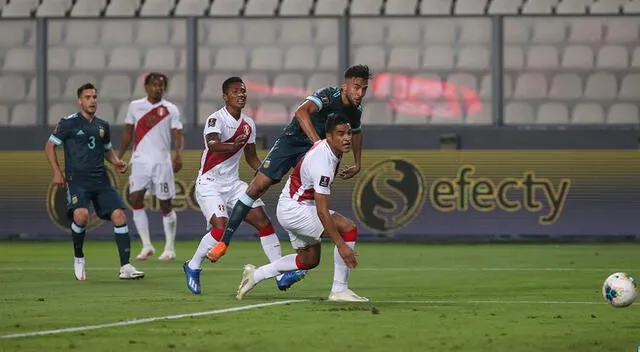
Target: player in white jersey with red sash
152 122
303 210
228 133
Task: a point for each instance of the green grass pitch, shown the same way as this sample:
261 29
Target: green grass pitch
423 298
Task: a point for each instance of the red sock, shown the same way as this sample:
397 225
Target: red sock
351 235
217 234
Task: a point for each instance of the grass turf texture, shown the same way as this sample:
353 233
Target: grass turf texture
460 288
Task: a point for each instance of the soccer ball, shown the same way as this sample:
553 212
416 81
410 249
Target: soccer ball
619 290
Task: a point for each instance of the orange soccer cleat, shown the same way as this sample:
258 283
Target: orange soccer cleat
217 252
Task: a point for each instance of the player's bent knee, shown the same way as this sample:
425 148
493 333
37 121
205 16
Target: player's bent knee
118 217
81 216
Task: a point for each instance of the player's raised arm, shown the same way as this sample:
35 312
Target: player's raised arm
303 114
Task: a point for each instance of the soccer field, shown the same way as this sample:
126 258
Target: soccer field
423 298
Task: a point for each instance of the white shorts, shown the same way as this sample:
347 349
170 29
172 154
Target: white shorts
301 222
156 177
215 200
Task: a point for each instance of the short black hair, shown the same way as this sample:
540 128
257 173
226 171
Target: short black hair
333 121
358 71
85 87
153 75
227 82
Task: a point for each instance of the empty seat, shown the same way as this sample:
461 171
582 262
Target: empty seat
320 80
226 7
548 31
52 9
231 58
367 32
438 57
328 58
151 32
365 7
631 7
612 57
330 7
124 58
24 115
601 86
74 82
12 88
436 7
586 30
486 86
518 113
553 113
470 7
206 108
191 7
12 34
18 9
474 30
106 112
261 7
177 87
270 113
266 58
124 8
422 87
536 7
58 59
635 58
223 32
295 7
479 114
138 88
542 57
156 8
440 32
371 55
571 7
400 7
622 30
380 114
289 85
115 87
577 57
19 60
404 32
630 87
513 58
59 110
531 86
300 58
204 59
504 7
515 31
623 113
54 90
179 33
326 31
257 84
117 32
605 7
464 80
87 8
473 58
587 113
565 86
295 31
90 59
161 59
263 32
404 59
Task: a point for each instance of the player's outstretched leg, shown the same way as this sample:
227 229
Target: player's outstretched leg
169 223
193 267
340 291
80 216
252 276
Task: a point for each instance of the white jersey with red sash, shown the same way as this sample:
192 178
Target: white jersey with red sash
153 124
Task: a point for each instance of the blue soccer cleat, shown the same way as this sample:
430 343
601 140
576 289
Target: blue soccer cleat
193 278
289 278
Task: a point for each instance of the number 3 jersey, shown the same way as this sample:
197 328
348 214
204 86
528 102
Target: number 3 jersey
153 124
85 143
222 168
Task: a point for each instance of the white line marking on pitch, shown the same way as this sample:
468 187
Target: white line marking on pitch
488 302
146 320
359 269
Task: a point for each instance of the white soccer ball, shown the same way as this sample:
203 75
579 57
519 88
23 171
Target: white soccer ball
620 290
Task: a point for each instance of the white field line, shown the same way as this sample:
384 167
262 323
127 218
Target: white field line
491 302
214 268
146 320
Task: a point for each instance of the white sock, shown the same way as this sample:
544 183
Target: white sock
206 243
284 264
340 270
142 225
271 247
170 222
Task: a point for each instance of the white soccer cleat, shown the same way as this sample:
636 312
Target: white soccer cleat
346 296
145 253
129 272
78 269
248 282
167 255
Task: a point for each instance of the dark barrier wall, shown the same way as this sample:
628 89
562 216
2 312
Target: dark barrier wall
407 194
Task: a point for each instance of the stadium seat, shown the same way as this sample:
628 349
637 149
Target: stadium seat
271 113
513 58
326 31
289 85
623 113
504 7
328 58
605 7
586 30
518 113
377 113
404 58
177 87
331 7
212 87
295 7
438 57
403 32
531 86
122 8
52 8
89 59
156 8
54 90
300 58
88 8
257 85
483 117
371 55
116 86
74 82
577 57
205 109
138 88
470 7
553 113
153 32
25 115
542 57
19 59
537 7
320 80
204 59
516 31
465 80
622 30
266 58
261 7
425 87
548 31
223 32
612 57
124 58
121 115
58 59
295 31
587 113
4 115
366 7
440 32
191 7
400 7
635 58
571 8
565 86
435 7
474 30
630 87
473 58
231 58
486 86
81 32
367 31
106 112
179 33
226 7
631 7
260 32
12 88
12 34
160 58
59 110
19 9
117 32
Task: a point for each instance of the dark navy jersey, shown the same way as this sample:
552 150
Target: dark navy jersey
329 103
85 143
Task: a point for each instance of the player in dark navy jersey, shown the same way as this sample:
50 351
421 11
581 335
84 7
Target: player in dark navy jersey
87 143
307 127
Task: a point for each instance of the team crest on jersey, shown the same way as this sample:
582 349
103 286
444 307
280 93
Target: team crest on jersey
74 199
212 122
324 181
101 132
266 163
162 111
247 130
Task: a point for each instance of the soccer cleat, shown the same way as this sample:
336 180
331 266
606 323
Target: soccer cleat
248 282
217 252
167 256
129 272
78 269
289 278
145 253
346 296
193 278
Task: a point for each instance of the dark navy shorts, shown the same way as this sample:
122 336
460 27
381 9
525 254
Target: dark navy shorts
282 157
100 192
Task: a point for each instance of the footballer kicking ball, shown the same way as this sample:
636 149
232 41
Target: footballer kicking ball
620 290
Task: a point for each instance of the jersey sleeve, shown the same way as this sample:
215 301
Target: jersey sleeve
252 136
322 176
130 119
107 137
356 120
60 132
213 125
175 118
321 97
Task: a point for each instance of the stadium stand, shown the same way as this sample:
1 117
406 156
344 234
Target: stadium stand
558 69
